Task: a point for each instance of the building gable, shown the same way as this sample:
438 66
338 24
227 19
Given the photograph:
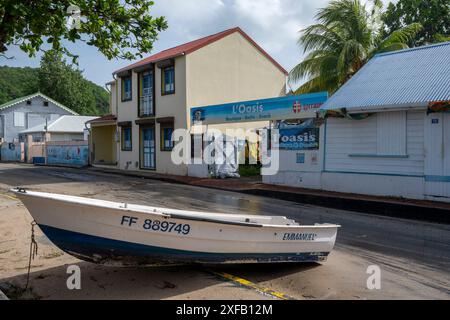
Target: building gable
29 111
36 97
229 70
195 45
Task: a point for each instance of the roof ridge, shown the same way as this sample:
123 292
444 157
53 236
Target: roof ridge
194 45
54 121
7 103
199 39
428 46
32 95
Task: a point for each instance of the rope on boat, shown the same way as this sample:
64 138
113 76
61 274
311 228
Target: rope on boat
33 252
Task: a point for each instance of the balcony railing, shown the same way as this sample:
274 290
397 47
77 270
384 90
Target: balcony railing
146 105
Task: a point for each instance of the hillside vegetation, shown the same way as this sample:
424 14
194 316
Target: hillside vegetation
18 82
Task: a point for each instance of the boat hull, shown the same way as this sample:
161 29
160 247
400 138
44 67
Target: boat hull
114 252
119 234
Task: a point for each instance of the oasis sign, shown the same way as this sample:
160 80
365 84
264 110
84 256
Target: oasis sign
299 138
281 108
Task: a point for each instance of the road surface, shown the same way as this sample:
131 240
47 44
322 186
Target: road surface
413 256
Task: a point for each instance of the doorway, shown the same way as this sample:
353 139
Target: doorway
147 147
437 155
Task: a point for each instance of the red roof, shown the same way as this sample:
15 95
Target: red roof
198 44
107 118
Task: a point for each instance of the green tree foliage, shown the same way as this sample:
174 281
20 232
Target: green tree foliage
433 15
65 83
346 36
19 82
118 28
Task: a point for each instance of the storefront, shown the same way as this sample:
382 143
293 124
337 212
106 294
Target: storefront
293 117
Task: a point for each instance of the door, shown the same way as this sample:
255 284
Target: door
437 155
146 99
148 148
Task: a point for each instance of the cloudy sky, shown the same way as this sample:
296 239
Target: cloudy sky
273 24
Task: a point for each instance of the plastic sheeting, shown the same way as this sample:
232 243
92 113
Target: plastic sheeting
226 164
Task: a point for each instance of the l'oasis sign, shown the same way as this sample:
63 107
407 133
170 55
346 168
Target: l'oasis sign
280 108
299 138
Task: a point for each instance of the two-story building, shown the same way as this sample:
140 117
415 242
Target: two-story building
152 97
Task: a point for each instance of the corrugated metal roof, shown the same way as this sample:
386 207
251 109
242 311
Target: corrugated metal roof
410 77
31 96
66 124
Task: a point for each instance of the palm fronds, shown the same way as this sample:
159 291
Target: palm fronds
345 36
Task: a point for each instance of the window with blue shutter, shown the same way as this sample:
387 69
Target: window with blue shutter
168 80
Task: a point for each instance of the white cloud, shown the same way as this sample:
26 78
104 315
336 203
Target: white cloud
273 24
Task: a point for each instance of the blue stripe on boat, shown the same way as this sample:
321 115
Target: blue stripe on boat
104 250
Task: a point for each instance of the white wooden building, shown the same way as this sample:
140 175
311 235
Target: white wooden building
400 146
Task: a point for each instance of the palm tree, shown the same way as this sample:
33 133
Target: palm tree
345 38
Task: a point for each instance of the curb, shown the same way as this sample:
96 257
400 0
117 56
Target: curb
375 207
381 208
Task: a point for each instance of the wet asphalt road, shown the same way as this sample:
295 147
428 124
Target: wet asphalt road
368 236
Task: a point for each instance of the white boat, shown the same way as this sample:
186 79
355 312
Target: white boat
126 234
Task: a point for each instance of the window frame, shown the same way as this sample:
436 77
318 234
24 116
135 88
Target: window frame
399 122
163 78
23 119
122 94
140 84
162 128
122 138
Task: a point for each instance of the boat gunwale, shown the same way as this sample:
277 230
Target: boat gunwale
51 196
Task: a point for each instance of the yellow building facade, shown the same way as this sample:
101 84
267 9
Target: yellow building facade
153 97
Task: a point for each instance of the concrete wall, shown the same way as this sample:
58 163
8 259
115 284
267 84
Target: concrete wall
35 149
230 70
305 175
104 144
71 153
113 98
37 107
12 152
66 136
